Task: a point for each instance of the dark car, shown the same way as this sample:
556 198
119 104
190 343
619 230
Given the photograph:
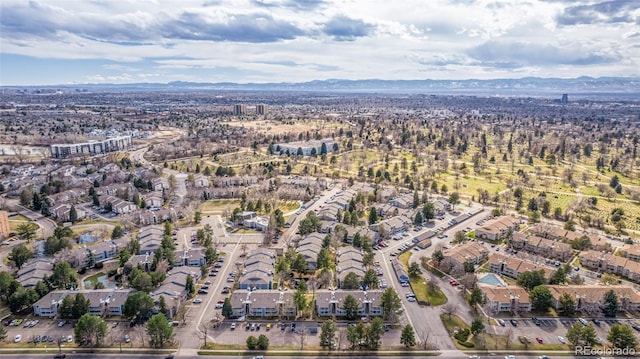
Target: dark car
170 356
60 356
514 323
596 322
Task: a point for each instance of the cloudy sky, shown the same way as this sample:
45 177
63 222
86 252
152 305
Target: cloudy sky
123 41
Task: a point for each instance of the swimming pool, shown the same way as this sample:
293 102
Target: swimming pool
491 279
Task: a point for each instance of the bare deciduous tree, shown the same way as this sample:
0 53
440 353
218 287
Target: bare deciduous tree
449 309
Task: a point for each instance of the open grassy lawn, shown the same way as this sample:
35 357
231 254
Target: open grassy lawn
219 206
423 292
17 220
288 206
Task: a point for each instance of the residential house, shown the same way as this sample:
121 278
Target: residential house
153 199
235 181
402 201
200 181
107 250
62 212
174 285
192 257
258 270
118 205
150 239
393 225
160 184
259 223
347 261
35 270
309 247
146 217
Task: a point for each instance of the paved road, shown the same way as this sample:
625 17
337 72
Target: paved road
198 315
291 231
47 225
399 355
425 320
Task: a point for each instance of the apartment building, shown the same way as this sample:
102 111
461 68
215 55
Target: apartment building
513 267
263 304
512 299
330 303
548 248
589 298
498 228
91 148
610 263
472 252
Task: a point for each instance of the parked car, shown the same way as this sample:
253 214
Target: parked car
197 301
514 322
17 339
501 322
69 339
539 340
127 339
233 326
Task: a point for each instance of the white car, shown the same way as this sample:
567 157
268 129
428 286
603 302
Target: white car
127 339
69 339
510 357
17 339
197 301
562 340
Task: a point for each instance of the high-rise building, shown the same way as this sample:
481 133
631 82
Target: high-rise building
4 224
565 99
262 109
239 109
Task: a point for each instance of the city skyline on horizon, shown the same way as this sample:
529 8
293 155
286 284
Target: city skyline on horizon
272 41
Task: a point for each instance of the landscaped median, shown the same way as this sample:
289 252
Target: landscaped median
423 291
317 353
464 340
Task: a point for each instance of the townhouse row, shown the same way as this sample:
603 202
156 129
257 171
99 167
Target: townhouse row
588 299
610 263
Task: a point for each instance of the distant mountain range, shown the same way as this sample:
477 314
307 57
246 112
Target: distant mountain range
628 87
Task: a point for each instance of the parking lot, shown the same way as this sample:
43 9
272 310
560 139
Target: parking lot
549 329
45 333
309 331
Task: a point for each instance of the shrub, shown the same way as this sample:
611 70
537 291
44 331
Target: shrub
462 335
466 344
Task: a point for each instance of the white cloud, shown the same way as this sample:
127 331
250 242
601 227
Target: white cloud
288 40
